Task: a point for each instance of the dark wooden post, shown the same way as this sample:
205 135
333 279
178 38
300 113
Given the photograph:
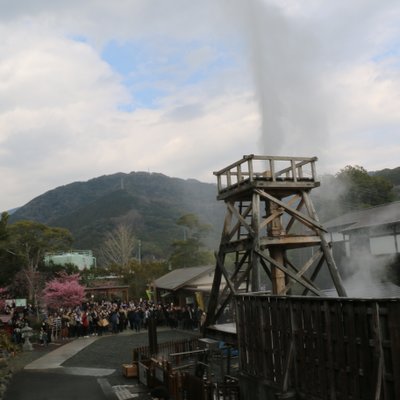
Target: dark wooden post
152 333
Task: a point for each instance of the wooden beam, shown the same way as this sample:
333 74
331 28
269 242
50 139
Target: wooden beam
225 273
290 273
266 269
239 223
240 218
310 281
293 219
270 218
327 250
317 255
306 220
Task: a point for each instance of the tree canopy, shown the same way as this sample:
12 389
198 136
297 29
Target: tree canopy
363 190
28 241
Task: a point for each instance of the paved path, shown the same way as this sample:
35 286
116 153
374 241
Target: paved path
85 369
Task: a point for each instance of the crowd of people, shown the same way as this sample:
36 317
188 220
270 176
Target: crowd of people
105 317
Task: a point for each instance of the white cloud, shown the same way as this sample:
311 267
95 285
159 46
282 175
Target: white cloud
325 76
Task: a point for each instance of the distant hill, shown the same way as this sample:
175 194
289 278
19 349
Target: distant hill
392 175
150 202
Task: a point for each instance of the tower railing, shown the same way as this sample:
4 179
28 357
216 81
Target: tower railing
253 168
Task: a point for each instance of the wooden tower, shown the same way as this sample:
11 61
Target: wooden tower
269 214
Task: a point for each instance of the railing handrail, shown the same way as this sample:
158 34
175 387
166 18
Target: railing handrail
294 171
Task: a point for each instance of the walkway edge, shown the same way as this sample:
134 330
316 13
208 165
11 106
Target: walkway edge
55 358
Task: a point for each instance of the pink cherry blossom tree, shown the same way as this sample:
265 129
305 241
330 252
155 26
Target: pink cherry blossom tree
63 291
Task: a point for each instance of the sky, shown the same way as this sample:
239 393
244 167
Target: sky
185 88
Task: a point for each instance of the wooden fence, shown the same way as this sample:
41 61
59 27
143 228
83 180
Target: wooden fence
174 367
166 348
320 348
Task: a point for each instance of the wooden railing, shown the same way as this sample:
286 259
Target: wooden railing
252 167
321 348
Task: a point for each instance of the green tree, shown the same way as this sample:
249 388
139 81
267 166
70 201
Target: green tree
7 258
363 190
142 276
29 241
3 227
190 251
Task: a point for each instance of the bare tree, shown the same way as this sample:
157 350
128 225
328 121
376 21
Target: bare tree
119 246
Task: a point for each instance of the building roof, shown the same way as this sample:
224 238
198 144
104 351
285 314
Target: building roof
367 290
181 277
366 218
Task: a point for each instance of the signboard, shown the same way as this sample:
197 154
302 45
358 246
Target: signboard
16 302
20 302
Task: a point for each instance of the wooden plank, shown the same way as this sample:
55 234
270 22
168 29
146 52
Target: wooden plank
308 345
300 347
340 354
272 169
269 340
293 168
283 340
350 345
393 316
364 349
276 341
320 343
329 351
378 367
289 373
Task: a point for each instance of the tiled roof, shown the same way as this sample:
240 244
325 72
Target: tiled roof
374 216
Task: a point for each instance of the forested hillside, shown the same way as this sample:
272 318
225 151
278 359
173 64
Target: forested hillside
150 202
392 175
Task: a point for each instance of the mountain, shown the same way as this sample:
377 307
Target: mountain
150 202
392 175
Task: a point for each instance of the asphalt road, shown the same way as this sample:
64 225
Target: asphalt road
92 373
